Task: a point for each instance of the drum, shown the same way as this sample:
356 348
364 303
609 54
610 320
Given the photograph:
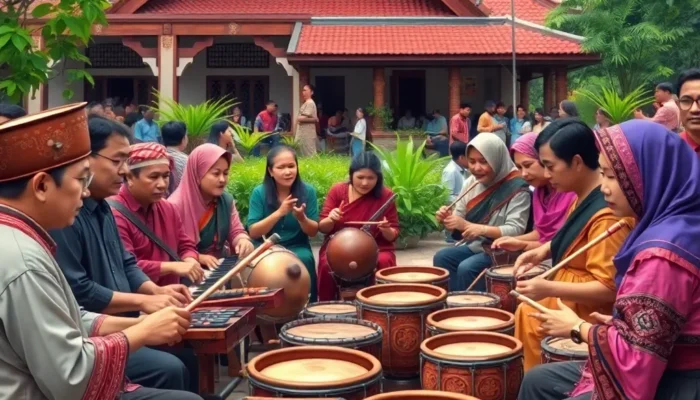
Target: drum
352 254
421 395
472 299
349 333
486 365
400 310
561 349
470 319
314 371
280 268
500 281
428 275
330 309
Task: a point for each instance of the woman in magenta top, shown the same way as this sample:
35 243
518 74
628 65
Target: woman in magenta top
650 347
357 200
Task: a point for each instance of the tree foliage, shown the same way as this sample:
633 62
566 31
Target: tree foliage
65 27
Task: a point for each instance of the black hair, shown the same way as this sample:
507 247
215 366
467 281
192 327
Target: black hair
270 102
457 149
489 104
12 190
298 190
604 113
93 104
311 87
568 137
539 110
464 105
143 108
102 128
12 111
173 132
368 131
132 118
692 74
665 86
369 160
435 111
500 105
569 108
216 130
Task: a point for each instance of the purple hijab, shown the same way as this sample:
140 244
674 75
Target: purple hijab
549 207
659 174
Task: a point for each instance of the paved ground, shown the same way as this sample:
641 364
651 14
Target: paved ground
422 255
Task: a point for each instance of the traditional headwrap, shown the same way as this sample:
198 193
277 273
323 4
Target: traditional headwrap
526 145
658 173
146 154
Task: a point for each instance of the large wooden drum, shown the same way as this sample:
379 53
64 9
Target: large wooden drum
561 349
330 309
400 310
421 395
472 299
428 275
485 365
314 371
352 254
469 319
349 333
500 281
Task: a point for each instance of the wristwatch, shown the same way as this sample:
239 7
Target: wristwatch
576 333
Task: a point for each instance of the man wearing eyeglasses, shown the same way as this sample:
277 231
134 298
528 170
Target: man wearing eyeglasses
689 103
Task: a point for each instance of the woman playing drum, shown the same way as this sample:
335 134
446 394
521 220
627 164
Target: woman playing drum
358 200
648 349
287 206
549 206
208 213
568 151
498 206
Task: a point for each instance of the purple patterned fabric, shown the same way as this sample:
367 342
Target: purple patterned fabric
660 176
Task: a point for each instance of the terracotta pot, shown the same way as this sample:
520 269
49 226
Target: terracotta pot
500 281
472 299
409 274
470 319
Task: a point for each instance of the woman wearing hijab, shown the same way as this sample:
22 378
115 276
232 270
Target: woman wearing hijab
568 151
208 212
648 347
549 206
499 205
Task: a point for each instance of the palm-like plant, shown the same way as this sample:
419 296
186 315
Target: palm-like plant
246 138
290 141
198 118
620 109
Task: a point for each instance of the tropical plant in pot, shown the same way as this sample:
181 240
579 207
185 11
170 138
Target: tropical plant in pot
620 109
408 173
246 139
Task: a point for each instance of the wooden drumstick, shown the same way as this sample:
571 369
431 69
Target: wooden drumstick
477 279
271 241
363 222
461 196
616 227
539 307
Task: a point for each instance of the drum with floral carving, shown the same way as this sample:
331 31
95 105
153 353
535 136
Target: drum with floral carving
562 349
400 310
470 319
414 274
500 281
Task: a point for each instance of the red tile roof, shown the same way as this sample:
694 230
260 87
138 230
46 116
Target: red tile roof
529 10
325 8
429 40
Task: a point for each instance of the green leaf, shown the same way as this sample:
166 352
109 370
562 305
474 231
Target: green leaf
19 42
4 39
6 29
42 10
67 94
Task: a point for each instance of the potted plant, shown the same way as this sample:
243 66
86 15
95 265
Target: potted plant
245 139
384 114
619 108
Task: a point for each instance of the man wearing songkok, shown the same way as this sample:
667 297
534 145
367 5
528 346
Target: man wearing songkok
103 275
50 348
143 197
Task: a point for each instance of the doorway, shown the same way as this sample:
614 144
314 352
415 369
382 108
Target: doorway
251 92
330 92
408 93
125 89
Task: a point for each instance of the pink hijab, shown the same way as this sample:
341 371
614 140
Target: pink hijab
549 207
187 198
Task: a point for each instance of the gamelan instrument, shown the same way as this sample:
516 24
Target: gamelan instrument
470 319
349 333
409 274
500 281
472 299
421 395
261 298
330 309
486 365
380 212
400 309
352 254
562 349
314 371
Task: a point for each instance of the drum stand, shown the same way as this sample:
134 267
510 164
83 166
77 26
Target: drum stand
347 289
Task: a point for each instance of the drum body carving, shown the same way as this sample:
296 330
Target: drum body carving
486 365
560 349
421 395
280 268
314 371
427 275
330 309
400 310
352 254
343 332
472 299
500 281
470 319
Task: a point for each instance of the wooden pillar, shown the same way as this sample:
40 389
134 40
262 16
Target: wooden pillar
561 85
304 79
525 77
455 79
167 67
379 83
35 98
548 87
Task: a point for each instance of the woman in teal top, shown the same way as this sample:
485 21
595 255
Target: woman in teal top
287 206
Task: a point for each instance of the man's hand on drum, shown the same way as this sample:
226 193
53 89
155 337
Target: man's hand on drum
454 222
244 247
287 205
208 261
508 243
557 323
535 288
528 260
336 214
442 214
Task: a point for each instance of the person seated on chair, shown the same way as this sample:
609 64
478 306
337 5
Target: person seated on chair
436 129
407 121
267 122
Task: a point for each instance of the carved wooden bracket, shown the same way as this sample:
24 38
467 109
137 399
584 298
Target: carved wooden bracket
265 43
135 44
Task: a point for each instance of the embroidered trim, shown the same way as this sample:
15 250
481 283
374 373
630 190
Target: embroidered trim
688 340
107 379
95 329
617 150
14 219
604 372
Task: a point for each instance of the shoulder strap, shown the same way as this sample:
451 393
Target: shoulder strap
143 228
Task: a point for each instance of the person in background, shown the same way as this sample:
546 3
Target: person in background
689 104
266 121
407 121
109 111
95 108
436 129
553 113
306 123
520 124
238 118
500 120
221 134
322 126
487 122
360 134
132 118
455 172
668 113
460 125
540 121
146 129
9 112
347 121
175 140
568 109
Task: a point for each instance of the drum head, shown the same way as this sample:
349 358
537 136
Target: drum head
412 274
471 319
402 298
471 346
331 330
565 347
472 299
421 395
314 370
507 270
473 349
401 294
332 308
